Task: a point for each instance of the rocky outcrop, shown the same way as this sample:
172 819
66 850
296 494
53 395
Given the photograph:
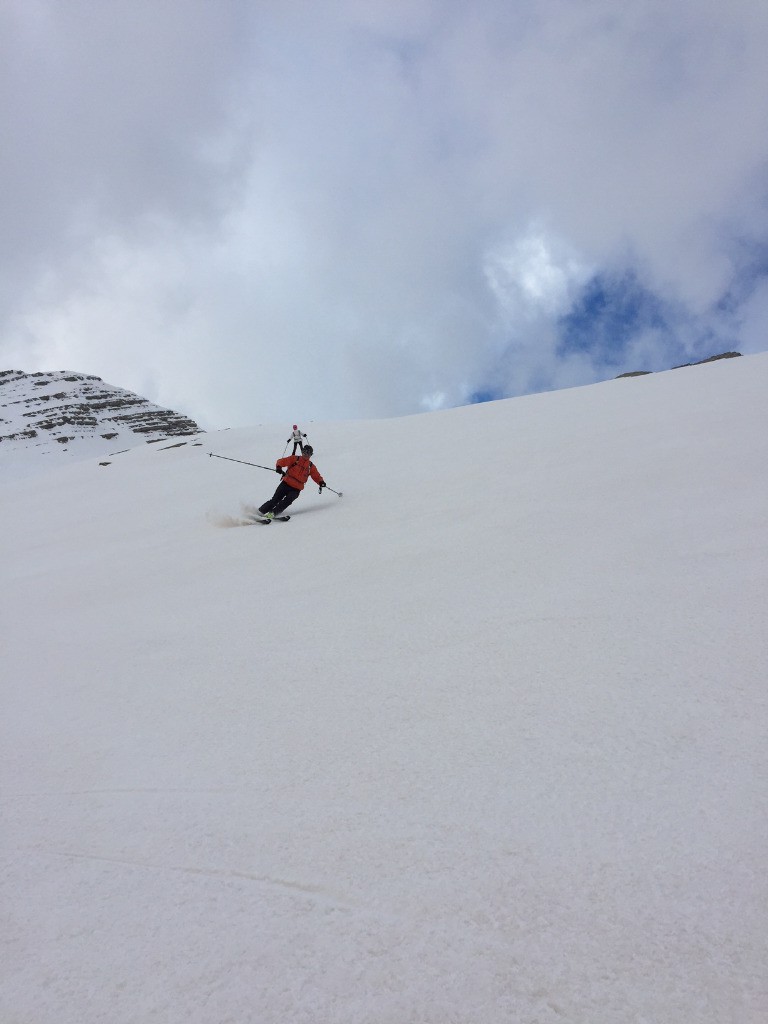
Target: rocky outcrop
43 410
711 359
700 362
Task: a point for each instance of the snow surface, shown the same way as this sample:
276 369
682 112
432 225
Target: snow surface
483 741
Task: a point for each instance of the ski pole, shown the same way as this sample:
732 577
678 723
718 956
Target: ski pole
340 493
270 469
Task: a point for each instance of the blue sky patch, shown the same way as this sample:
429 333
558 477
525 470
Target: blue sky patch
484 395
608 314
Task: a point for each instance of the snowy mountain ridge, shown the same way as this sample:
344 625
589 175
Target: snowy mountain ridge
51 413
483 741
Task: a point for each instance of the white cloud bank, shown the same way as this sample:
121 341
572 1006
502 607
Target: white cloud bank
257 212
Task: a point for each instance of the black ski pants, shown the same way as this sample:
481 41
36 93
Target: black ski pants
281 499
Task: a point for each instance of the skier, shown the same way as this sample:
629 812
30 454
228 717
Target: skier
296 436
298 469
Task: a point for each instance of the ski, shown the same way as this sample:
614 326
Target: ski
266 522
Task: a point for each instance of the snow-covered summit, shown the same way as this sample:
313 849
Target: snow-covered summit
77 414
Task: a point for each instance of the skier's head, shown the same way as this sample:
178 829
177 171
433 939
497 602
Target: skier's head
307 450
295 427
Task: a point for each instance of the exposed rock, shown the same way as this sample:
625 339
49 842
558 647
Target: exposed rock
699 362
78 412
710 359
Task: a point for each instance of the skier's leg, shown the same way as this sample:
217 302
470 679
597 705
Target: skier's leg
269 506
289 495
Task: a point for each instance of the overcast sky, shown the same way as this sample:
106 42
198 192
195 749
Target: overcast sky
268 210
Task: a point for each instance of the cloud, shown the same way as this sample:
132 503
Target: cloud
260 212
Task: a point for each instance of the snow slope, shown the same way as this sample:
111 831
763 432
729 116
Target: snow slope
481 742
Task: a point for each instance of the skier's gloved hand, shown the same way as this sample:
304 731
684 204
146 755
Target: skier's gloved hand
278 470
320 489
303 435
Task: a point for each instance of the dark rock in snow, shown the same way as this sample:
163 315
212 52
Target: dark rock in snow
41 412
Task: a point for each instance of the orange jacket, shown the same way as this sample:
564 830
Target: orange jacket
299 470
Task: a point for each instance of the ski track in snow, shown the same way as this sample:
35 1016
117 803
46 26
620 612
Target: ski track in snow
313 891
